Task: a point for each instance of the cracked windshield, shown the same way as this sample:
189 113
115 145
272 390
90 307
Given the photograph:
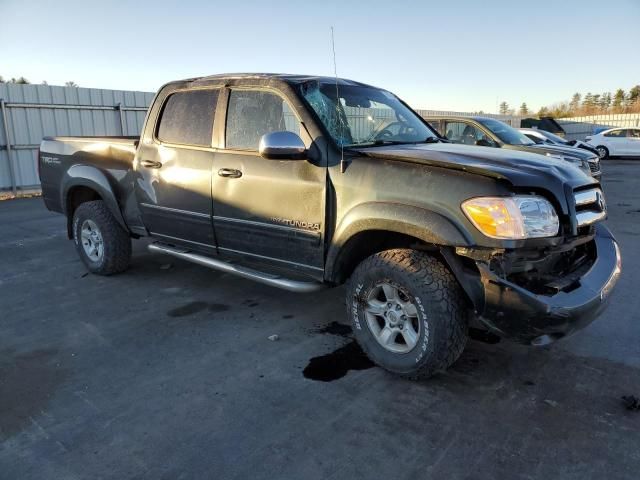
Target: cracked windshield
365 116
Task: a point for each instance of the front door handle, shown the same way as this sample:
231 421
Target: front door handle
151 164
230 173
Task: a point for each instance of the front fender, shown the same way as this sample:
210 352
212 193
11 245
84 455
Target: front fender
426 225
93 178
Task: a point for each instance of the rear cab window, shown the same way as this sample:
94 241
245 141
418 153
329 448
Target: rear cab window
187 118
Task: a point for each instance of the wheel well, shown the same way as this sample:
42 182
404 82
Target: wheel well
367 243
75 197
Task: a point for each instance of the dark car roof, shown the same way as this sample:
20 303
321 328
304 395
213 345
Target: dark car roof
284 77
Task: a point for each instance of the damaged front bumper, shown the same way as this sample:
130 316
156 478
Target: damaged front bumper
537 319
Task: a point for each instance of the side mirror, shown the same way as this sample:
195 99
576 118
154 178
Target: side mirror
282 146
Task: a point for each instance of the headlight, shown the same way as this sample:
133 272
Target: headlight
522 216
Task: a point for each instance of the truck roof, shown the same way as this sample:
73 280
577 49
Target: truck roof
284 77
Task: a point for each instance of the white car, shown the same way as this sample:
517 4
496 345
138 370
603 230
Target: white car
616 141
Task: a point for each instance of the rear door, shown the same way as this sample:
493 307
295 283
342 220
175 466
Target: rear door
173 187
269 210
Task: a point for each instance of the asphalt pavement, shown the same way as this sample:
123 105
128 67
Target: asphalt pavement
167 372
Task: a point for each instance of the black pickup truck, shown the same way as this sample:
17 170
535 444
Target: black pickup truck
305 182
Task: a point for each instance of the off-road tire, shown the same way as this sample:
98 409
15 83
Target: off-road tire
116 240
441 305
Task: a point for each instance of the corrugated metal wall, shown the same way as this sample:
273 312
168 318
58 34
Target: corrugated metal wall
36 111
577 128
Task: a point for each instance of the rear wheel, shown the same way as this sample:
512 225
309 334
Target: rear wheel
408 312
103 245
603 152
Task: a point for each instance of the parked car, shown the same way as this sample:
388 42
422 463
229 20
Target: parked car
616 142
489 132
542 136
277 178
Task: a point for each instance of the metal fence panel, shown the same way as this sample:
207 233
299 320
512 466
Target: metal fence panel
36 111
577 128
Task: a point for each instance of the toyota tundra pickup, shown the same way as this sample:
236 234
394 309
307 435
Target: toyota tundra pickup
305 182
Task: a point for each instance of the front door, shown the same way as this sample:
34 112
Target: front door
173 187
268 210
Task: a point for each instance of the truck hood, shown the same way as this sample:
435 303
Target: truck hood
560 150
520 169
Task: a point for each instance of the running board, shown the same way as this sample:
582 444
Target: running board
244 272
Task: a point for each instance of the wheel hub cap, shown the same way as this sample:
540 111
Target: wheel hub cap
91 239
392 318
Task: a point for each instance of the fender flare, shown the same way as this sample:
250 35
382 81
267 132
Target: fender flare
426 225
91 177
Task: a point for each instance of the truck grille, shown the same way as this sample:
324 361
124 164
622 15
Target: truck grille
590 206
594 165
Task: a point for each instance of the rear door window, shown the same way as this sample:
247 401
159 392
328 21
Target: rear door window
252 113
616 133
187 118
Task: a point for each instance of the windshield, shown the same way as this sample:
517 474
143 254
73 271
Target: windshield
553 137
506 133
364 116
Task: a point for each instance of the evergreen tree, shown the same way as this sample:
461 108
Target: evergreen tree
587 102
618 98
504 108
605 101
634 95
575 102
524 110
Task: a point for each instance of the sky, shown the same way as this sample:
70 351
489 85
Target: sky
462 55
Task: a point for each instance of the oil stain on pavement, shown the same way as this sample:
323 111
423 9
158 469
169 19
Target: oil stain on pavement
27 383
335 365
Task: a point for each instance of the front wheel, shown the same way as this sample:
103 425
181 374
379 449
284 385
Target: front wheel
408 312
103 245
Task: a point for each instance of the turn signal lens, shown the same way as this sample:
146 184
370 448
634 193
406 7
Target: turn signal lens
512 218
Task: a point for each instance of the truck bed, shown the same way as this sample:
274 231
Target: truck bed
113 156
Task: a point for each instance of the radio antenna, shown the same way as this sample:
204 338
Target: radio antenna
335 73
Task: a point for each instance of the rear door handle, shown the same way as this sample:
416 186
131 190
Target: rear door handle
230 173
151 164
